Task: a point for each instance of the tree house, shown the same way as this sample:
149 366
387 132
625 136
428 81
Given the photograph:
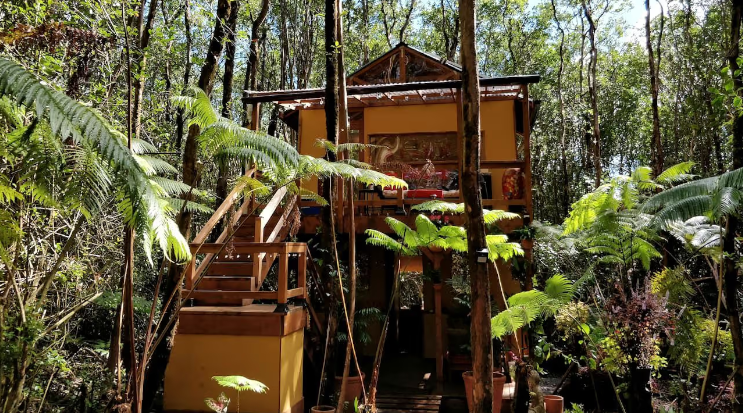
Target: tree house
407 104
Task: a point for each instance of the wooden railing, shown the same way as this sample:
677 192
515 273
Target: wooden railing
193 272
280 250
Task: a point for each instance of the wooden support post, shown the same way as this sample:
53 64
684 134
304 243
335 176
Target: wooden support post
439 338
283 287
255 116
302 273
527 152
190 273
258 257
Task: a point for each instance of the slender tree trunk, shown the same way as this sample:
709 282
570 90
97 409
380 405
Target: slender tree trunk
220 192
161 354
565 204
482 344
140 64
180 118
732 276
343 138
593 92
229 59
656 146
251 71
329 191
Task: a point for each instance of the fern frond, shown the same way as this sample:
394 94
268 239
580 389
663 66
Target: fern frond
426 231
440 206
676 174
497 215
143 205
177 204
197 107
559 288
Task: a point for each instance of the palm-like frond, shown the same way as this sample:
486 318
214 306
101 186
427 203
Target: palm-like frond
440 206
191 206
526 306
500 249
425 230
676 174
142 203
240 383
697 233
197 107
497 215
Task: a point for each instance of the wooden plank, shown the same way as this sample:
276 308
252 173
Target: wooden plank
424 400
227 283
295 292
409 406
230 268
271 206
256 247
397 396
230 295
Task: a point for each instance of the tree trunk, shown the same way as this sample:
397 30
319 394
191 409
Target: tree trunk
161 354
482 342
251 71
343 138
565 204
329 190
593 92
656 146
140 63
180 121
732 278
220 192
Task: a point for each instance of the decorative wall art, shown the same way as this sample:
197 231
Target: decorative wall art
414 147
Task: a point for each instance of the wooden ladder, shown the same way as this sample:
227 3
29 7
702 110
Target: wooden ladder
231 270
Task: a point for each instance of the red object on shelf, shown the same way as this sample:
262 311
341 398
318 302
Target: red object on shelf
513 183
425 193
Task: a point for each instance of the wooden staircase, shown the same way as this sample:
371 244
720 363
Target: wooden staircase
230 271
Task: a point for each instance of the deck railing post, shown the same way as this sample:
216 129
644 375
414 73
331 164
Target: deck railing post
283 275
190 273
302 273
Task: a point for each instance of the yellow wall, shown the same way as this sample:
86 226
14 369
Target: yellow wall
292 348
311 128
196 358
497 125
497 122
410 119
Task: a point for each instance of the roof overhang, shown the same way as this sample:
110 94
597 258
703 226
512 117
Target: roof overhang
440 91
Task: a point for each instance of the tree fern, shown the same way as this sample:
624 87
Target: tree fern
140 201
527 306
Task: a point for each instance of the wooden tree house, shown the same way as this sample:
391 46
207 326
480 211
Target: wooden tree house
408 103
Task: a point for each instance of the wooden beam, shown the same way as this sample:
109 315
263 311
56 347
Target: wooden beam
286 95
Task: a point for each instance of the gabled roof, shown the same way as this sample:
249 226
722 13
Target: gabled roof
404 64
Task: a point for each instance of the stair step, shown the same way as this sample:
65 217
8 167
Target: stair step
244 268
227 283
224 298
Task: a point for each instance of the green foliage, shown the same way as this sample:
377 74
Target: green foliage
713 197
240 383
139 199
363 319
527 306
428 235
